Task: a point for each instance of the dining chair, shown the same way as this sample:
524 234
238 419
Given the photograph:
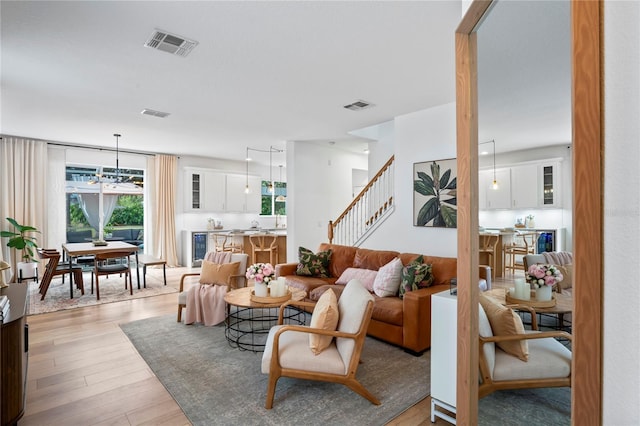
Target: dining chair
523 243
103 266
55 267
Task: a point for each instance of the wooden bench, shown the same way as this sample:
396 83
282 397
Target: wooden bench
148 260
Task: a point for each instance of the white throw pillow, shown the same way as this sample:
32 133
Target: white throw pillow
387 282
365 276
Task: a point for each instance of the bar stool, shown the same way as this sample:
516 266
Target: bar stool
264 243
489 245
517 250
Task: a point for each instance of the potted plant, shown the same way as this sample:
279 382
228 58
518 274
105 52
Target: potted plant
20 240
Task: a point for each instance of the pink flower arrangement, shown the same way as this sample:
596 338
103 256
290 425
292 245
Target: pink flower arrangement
261 272
540 274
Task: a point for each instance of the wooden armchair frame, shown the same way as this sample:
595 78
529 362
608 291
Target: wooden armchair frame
348 379
488 385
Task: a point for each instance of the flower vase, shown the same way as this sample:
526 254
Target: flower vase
260 289
543 293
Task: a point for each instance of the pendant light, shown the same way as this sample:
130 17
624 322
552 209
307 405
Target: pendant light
281 198
246 160
118 136
494 184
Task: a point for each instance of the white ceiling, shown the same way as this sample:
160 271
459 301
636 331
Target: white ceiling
266 72
263 72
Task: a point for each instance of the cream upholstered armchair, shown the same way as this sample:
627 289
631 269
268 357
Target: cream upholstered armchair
512 358
288 351
233 281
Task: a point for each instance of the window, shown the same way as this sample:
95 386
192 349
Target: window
274 203
119 193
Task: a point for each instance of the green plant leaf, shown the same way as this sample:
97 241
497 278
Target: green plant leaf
452 201
444 180
425 178
452 184
435 173
421 188
427 212
449 216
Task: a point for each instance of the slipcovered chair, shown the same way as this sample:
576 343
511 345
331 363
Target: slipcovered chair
547 364
233 281
288 351
564 259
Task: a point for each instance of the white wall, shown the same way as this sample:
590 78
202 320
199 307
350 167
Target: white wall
319 183
421 136
621 346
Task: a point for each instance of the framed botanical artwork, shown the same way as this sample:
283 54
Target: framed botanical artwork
434 194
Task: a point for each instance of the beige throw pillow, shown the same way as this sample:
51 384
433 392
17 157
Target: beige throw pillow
217 273
325 316
567 276
505 322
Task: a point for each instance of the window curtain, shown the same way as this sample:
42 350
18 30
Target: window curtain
90 205
23 190
164 208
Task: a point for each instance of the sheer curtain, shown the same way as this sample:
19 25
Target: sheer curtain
23 190
90 206
164 208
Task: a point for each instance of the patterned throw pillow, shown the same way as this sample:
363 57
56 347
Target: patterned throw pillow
313 265
415 275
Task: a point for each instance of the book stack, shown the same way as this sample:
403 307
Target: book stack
4 307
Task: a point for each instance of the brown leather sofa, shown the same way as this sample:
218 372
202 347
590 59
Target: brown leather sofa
404 322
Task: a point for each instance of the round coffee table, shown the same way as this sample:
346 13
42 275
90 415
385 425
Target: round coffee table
248 323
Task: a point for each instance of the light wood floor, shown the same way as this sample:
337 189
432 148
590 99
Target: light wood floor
84 371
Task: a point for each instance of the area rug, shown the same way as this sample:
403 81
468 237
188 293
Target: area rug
111 290
547 406
216 384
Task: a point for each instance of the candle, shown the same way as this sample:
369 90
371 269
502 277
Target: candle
527 292
520 289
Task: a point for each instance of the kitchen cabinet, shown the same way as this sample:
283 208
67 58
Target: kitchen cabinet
522 186
495 198
213 191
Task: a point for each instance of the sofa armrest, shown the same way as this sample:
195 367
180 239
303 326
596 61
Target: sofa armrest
416 317
284 269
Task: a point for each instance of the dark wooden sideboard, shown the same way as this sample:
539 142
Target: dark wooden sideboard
13 355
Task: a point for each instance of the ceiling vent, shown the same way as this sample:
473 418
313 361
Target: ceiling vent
359 105
154 113
170 43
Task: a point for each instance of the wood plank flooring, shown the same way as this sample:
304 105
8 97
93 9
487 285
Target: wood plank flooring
84 371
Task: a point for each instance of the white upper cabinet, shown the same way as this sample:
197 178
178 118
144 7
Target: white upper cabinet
212 191
499 198
523 186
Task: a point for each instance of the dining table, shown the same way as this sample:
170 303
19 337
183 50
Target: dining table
74 250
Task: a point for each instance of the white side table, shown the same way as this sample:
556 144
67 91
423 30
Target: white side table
444 332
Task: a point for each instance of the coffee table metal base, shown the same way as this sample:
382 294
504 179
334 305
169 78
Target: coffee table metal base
247 328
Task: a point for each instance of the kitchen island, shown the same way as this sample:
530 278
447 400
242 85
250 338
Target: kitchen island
197 243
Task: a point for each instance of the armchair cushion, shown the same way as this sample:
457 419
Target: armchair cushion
313 265
505 322
365 276
387 282
325 316
217 273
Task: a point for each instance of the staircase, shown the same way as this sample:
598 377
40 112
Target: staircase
367 211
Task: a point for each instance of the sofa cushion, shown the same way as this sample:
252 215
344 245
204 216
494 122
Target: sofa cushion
505 322
342 257
325 316
308 284
365 276
387 282
415 275
373 259
387 310
442 268
313 265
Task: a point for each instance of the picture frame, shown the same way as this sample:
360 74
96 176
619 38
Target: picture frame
434 193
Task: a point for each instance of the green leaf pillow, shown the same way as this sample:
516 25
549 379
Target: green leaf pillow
415 275
313 265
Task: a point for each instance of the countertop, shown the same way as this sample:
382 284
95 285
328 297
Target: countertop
248 231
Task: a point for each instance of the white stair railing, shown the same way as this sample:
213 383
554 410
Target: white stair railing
367 211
